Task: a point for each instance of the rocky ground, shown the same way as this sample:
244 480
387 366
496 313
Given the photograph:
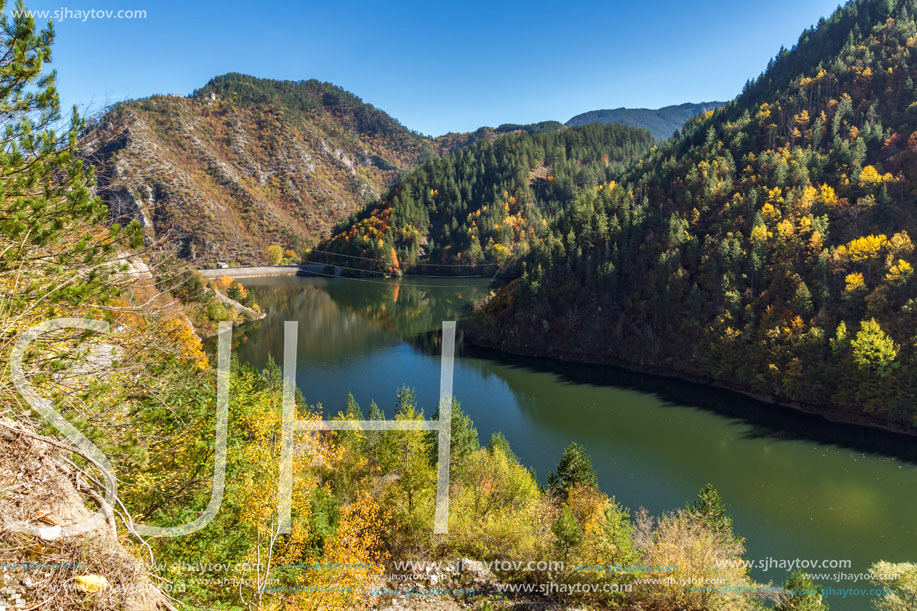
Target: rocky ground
43 497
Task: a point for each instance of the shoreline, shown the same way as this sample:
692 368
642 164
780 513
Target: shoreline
264 271
836 417
311 268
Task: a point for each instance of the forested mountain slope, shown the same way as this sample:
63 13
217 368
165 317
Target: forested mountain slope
483 203
662 122
768 248
451 142
244 163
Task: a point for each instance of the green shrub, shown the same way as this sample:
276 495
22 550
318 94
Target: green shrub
215 311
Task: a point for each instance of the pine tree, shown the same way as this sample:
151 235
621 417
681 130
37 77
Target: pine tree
373 438
498 440
709 507
374 412
54 252
804 300
567 533
405 402
352 409
464 439
800 594
575 468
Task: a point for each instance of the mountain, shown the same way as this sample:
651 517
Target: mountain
768 248
662 122
244 163
451 142
482 205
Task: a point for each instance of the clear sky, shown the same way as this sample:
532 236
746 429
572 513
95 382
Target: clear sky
437 65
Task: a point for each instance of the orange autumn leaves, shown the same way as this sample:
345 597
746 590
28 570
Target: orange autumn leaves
172 332
186 341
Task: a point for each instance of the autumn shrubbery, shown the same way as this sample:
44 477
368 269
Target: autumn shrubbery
234 290
706 558
499 512
495 506
175 278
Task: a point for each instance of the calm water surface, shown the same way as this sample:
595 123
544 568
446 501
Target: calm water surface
796 486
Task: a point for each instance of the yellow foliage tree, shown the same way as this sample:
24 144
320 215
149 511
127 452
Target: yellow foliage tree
827 195
809 195
274 254
223 283
816 243
854 282
494 506
866 248
899 245
186 341
899 272
785 228
869 176
353 562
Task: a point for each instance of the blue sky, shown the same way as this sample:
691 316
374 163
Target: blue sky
436 66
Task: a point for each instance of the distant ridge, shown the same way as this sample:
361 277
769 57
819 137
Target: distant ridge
661 122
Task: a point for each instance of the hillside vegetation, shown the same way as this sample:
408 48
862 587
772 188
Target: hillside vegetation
661 122
484 204
245 163
136 394
768 248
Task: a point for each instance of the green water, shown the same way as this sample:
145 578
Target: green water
796 486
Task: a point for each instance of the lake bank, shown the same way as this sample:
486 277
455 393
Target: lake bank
266 271
828 413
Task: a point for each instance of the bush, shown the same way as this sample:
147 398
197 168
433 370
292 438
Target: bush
215 311
699 556
495 506
800 594
901 581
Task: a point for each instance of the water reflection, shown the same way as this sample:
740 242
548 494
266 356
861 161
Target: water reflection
764 420
328 332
